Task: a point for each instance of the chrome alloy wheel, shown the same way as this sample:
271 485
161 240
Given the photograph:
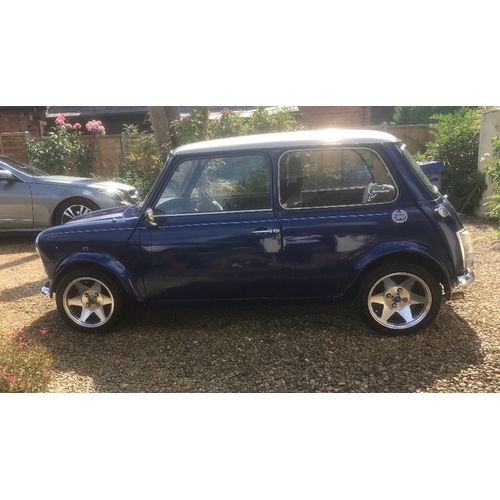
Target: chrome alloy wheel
399 300
88 302
74 211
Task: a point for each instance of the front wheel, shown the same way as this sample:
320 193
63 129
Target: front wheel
72 208
399 298
89 300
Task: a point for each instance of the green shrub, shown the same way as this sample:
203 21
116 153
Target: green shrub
143 160
492 168
262 121
457 143
62 152
231 124
417 115
25 365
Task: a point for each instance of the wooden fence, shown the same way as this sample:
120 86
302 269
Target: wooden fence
111 150
12 145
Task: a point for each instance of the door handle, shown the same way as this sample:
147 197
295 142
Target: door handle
266 232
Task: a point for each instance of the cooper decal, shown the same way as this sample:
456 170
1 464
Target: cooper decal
399 216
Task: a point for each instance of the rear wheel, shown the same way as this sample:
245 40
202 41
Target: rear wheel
399 298
72 208
89 300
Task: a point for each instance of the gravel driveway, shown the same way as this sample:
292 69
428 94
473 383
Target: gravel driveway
264 348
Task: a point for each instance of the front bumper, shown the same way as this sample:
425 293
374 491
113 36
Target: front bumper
467 278
464 279
46 288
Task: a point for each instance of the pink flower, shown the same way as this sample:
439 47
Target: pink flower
43 332
11 378
95 127
77 126
183 119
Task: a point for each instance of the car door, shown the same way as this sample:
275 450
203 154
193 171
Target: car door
217 235
16 205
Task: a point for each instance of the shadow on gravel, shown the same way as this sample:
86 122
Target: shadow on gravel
16 239
260 348
25 290
18 262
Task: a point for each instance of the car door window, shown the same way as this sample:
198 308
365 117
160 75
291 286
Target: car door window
219 184
336 177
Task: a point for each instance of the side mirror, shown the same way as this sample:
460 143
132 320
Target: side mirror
6 175
150 218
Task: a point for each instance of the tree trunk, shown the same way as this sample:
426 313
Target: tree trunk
172 113
161 119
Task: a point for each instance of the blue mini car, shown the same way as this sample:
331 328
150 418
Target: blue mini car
323 215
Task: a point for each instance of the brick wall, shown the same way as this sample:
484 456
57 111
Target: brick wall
318 117
23 119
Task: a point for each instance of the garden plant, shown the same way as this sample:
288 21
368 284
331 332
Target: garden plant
62 151
25 365
456 142
492 168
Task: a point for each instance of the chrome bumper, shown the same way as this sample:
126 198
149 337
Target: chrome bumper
46 288
467 278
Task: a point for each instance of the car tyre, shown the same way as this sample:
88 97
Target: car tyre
72 208
399 299
89 300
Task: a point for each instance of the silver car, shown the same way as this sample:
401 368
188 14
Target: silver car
32 200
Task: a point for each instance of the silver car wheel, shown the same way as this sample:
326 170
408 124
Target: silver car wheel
73 211
88 302
399 300
72 208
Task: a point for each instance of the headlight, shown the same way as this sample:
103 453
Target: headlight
465 240
118 196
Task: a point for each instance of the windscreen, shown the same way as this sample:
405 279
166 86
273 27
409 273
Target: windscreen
22 167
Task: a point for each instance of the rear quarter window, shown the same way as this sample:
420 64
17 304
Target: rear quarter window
334 177
419 172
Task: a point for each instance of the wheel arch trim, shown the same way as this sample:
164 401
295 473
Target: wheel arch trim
396 251
102 261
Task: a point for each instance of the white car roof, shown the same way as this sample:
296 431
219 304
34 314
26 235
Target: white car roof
327 137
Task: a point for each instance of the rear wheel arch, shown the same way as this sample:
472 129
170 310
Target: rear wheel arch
423 261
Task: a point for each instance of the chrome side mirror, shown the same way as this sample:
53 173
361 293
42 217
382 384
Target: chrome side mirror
150 218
